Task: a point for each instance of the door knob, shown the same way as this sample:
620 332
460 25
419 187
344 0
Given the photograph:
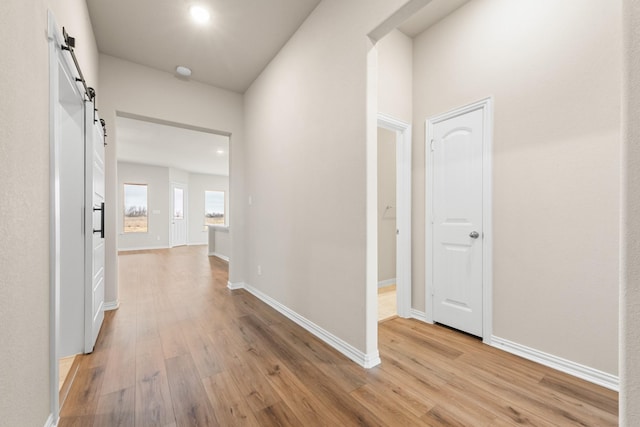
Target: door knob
474 235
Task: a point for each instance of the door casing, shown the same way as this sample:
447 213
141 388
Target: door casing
486 105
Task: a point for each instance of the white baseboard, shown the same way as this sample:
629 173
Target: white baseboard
50 421
587 373
237 285
111 305
142 248
387 282
366 360
217 255
419 315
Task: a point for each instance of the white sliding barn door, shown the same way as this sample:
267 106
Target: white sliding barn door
71 201
94 225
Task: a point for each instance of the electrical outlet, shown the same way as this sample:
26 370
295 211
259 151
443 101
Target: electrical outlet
259 270
158 238
250 200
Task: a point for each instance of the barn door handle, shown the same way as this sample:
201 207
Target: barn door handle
101 230
474 235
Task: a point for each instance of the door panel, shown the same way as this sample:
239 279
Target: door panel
457 212
70 125
178 215
95 190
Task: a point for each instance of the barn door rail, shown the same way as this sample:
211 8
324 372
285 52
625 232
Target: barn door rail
70 46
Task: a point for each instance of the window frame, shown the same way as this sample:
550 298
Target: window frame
124 207
224 209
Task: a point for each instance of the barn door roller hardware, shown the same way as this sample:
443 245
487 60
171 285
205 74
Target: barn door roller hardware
90 93
70 46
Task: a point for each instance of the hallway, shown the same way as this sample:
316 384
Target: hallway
183 350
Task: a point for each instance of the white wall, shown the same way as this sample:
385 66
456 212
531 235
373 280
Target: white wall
386 197
178 176
553 68
219 242
306 130
134 89
158 206
630 295
395 76
198 184
24 172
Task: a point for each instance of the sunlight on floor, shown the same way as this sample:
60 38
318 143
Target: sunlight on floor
387 302
65 367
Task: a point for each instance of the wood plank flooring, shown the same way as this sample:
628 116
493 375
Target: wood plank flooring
183 350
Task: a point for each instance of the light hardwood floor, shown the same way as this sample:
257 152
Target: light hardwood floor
183 350
387 304
64 366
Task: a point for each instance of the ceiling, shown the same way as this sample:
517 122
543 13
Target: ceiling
229 51
163 145
433 12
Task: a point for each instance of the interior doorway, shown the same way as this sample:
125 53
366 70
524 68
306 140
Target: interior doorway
387 229
185 171
394 217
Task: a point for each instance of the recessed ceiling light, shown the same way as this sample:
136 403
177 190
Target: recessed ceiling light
183 71
220 152
199 14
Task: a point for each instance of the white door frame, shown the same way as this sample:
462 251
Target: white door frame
486 105
403 210
56 56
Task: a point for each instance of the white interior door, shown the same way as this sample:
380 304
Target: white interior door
95 249
457 221
178 215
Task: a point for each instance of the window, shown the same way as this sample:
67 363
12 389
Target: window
178 203
214 208
135 208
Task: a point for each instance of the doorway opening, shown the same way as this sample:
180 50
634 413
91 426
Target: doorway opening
185 172
394 218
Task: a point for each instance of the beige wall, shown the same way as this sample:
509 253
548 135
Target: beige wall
24 170
134 89
630 301
386 197
553 68
24 247
395 76
306 169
